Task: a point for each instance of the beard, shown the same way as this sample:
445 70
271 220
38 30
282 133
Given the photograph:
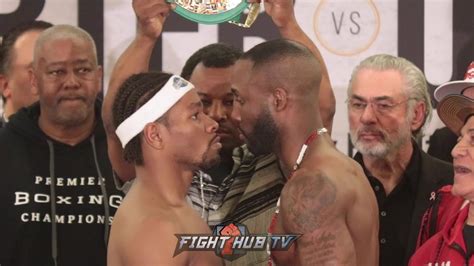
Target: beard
209 159
72 116
382 148
230 141
264 137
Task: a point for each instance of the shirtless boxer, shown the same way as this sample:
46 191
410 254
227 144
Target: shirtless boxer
164 132
327 198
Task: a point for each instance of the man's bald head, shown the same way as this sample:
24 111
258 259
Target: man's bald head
286 64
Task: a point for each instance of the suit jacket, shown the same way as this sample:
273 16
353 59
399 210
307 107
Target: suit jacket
434 175
442 142
2 122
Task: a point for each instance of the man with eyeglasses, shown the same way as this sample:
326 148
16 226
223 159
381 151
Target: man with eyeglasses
388 106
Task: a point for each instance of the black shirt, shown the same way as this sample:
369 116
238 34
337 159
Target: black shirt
395 210
468 234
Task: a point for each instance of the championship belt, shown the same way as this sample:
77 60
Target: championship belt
217 11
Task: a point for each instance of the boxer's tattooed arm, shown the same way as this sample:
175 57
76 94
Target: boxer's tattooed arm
308 208
318 249
308 201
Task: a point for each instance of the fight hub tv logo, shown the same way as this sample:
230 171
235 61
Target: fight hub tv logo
232 241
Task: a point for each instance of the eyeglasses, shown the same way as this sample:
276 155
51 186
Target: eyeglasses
383 106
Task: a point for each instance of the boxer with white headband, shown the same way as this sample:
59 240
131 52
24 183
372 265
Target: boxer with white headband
166 135
172 91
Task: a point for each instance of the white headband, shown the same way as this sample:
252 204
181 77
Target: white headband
157 106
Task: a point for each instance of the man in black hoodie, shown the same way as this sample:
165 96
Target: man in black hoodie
56 181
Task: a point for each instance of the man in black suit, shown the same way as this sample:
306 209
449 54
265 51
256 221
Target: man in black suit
388 105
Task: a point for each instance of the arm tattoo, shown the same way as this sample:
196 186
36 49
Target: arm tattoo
308 208
308 202
319 249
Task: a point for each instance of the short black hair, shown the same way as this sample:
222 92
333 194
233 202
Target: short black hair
9 39
275 50
132 94
287 63
217 55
